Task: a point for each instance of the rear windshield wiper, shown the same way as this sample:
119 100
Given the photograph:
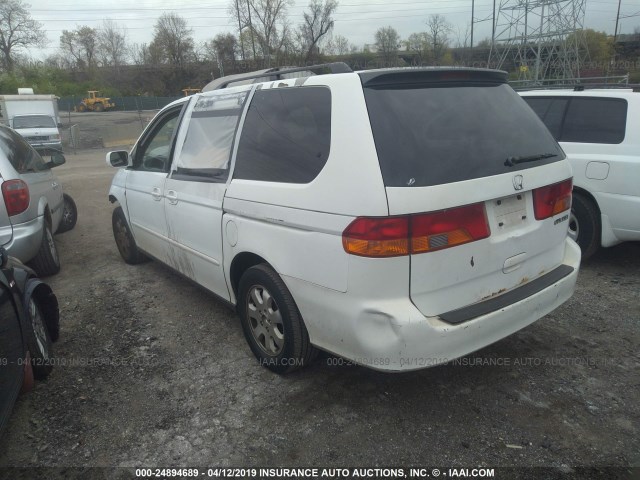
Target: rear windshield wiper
511 161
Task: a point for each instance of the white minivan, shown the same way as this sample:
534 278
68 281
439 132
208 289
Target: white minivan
398 218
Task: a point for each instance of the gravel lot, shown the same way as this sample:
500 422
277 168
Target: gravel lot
176 385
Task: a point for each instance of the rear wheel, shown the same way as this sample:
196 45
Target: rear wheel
69 215
40 344
46 262
584 225
271 321
124 239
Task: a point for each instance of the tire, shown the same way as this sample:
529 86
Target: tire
271 321
584 225
69 215
81 107
124 239
98 107
46 262
39 341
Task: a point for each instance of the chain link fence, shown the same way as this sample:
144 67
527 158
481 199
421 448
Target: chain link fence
68 104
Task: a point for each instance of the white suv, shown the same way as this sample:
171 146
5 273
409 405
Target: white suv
598 130
397 218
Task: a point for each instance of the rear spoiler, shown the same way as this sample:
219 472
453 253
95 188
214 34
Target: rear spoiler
435 75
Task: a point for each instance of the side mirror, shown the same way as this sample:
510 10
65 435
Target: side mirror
57 159
119 158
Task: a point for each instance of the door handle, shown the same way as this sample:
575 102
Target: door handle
172 196
156 194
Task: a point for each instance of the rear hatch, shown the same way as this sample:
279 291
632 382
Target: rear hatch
485 187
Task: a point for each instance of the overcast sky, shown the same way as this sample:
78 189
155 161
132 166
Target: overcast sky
355 19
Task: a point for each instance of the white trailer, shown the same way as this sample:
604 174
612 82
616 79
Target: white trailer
35 117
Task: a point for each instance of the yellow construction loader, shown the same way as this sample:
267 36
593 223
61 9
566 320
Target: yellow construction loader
95 103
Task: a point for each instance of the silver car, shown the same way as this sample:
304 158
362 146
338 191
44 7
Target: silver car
32 205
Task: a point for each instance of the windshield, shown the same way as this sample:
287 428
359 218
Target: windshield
33 121
430 135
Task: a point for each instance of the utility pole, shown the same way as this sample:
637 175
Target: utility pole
253 42
615 33
240 29
473 7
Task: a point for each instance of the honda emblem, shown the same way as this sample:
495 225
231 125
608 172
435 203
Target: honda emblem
517 182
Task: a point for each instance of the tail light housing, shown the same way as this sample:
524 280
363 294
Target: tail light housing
16 196
412 234
377 237
552 199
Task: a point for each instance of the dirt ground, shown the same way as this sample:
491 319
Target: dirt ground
156 372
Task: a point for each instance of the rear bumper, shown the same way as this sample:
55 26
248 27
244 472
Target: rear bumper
26 240
395 336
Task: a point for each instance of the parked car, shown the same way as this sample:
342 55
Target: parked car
598 130
29 324
33 205
398 218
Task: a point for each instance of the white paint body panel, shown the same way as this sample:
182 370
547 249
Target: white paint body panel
375 324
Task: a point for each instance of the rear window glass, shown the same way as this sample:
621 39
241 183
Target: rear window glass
595 120
19 153
286 135
428 135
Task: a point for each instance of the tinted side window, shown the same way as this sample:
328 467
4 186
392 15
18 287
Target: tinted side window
286 135
595 120
21 155
206 152
550 110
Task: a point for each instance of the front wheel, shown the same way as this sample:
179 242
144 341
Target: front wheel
46 262
124 239
69 215
584 225
271 321
39 340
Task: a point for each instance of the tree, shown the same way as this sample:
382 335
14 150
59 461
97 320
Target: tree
112 41
339 45
419 44
225 48
438 28
17 31
269 23
80 46
600 46
387 43
318 21
172 38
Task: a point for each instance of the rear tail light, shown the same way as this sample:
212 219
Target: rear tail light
552 199
377 237
448 228
16 196
426 232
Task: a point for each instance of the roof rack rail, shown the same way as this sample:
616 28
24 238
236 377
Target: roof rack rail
276 74
582 87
